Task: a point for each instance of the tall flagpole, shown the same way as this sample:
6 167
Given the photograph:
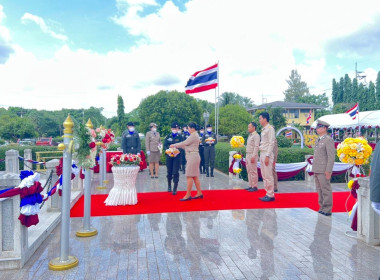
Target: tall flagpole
217 128
358 120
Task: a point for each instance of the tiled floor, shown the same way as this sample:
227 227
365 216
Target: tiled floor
231 244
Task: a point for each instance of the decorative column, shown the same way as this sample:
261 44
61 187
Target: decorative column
368 220
12 162
28 156
308 179
65 261
55 200
87 230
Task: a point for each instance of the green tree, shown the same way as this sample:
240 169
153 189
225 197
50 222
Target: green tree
378 87
347 89
371 101
340 108
233 120
16 128
235 99
355 90
296 87
321 112
321 99
120 114
341 90
335 92
165 107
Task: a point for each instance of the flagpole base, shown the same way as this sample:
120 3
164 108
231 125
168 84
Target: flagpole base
86 233
58 265
101 187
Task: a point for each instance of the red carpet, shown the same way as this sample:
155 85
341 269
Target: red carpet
163 202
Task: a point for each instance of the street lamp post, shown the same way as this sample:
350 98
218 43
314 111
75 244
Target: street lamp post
206 115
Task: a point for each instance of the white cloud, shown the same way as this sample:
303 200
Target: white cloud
27 17
253 41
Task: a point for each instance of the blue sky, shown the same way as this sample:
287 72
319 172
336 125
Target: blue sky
84 53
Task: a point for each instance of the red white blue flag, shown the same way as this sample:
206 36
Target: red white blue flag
203 80
353 111
288 134
308 118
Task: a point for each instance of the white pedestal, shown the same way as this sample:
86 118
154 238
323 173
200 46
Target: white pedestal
124 189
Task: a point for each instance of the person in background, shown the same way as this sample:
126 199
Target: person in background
131 143
173 163
152 144
185 135
323 162
252 157
209 141
266 156
191 146
275 155
202 168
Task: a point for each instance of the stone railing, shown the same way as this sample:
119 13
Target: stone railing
17 242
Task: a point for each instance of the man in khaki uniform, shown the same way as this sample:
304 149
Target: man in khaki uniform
252 157
266 156
275 154
323 162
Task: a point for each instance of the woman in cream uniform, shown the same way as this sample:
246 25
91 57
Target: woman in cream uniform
191 146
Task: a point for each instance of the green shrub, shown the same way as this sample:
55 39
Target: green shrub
284 142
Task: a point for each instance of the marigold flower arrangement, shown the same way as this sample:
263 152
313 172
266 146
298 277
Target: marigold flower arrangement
210 140
354 151
172 152
237 142
125 160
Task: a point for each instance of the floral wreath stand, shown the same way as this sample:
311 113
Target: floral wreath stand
124 189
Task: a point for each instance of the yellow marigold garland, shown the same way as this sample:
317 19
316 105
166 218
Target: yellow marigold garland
354 151
237 142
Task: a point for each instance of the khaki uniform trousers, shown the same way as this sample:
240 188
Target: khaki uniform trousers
324 190
267 174
253 177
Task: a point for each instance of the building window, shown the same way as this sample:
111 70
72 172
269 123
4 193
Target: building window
294 113
305 111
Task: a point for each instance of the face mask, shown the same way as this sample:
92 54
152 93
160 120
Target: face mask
154 129
209 129
131 129
179 131
174 131
202 131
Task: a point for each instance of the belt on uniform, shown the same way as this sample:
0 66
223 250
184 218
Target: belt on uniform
192 152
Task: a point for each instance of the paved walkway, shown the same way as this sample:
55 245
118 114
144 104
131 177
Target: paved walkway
230 244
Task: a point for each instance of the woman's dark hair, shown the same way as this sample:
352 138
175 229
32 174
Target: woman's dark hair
193 125
264 115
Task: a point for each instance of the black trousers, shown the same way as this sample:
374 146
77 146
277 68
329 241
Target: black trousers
202 155
209 154
172 165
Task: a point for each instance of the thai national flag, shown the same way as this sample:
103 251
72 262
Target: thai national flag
308 118
288 134
203 80
353 111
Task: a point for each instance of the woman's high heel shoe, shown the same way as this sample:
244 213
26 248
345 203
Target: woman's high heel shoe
196 197
185 199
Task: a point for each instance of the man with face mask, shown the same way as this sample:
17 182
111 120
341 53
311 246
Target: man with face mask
172 163
202 168
185 135
209 141
131 143
152 144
